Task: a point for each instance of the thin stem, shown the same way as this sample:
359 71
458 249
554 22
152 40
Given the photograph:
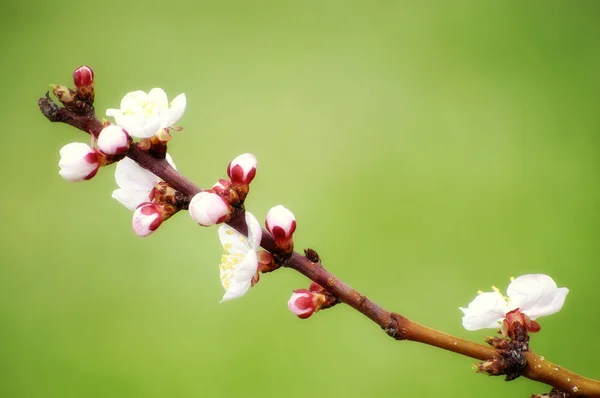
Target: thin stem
395 325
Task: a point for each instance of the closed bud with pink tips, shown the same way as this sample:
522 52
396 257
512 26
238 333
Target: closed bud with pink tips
78 162
150 215
208 208
304 303
146 218
242 169
113 140
281 223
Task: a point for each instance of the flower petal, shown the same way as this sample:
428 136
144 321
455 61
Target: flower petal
254 230
247 268
236 273
130 175
176 109
236 291
134 101
159 98
135 183
536 295
485 311
139 125
232 241
131 198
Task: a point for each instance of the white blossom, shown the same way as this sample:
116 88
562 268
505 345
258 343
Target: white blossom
239 262
143 115
535 295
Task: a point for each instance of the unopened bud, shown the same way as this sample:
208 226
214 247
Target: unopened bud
78 162
242 169
83 77
113 140
208 208
304 303
281 223
146 218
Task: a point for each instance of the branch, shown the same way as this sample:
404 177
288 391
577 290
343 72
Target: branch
395 325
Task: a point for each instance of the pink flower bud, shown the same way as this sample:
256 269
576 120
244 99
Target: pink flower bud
146 218
113 140
208 208
78 162
281 223
242 169
303 303
83 76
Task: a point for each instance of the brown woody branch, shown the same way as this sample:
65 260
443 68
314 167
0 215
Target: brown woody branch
395 325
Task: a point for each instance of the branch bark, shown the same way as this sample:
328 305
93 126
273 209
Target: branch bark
395 325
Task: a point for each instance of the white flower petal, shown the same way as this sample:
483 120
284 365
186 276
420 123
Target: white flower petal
536 295
112 112
169 159
485 311
135 183
134 101
131 198
236 291
232 241
254 230
176 109
130 175
247 268
159 98
238 282
139 125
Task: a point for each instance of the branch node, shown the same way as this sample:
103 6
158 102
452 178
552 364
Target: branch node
312 255
393 328
48 107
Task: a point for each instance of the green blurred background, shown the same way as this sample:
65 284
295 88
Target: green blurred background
427 151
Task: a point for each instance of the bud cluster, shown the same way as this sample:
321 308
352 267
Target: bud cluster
219 204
